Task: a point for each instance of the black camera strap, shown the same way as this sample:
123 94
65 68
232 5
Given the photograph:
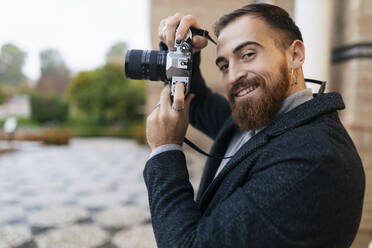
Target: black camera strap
202 32
196 148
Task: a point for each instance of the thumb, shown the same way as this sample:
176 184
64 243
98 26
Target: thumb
187 104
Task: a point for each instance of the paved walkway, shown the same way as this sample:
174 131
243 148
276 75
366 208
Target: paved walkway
88 194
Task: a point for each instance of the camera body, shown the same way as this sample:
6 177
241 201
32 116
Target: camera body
168 66
179 63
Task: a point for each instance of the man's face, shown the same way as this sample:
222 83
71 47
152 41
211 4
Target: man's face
254 69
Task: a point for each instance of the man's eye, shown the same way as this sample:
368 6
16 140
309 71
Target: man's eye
224 67
248 55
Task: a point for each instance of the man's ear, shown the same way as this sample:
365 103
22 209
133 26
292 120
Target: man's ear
297 54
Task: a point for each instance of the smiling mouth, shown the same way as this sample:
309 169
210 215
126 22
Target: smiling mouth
247 90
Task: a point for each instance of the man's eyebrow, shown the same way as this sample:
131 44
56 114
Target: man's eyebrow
237 49
246 43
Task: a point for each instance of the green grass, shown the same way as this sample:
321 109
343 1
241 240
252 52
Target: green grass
88 128
22 122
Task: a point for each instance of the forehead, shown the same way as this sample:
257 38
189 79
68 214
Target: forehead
245 28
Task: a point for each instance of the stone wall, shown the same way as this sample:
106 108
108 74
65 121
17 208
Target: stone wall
353 78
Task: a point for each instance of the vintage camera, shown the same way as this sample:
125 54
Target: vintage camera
168 66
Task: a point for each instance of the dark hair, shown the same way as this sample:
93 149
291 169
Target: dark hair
273 15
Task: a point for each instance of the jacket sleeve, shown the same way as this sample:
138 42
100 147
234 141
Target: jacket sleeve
208 110
263 210
178 222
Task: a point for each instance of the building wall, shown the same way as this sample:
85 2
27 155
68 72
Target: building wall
353 78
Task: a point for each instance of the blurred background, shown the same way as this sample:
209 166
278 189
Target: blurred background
72 128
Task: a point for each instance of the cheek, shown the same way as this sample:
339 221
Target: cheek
272 69
258 67
268 61
225 83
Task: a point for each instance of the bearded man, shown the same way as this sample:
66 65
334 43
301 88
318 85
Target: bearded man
291 176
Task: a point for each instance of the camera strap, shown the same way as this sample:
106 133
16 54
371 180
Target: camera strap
196 148
202 32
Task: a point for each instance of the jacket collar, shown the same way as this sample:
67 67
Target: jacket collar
319 105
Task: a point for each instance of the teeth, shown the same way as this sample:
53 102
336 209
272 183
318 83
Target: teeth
247 90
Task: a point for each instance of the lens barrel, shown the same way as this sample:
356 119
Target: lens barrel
146 64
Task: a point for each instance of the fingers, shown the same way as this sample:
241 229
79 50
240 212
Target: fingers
160 30
199 42
167 29
166 125
178 100
179 96
171 29
186 22
168 26
187 104
154 114
165 102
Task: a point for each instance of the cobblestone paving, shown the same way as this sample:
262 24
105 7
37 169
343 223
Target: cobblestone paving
88 194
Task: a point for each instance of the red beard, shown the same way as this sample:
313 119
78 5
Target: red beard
253 113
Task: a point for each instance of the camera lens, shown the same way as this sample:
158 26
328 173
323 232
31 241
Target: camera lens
146 64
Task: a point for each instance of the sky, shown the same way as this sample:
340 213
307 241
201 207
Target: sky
81 30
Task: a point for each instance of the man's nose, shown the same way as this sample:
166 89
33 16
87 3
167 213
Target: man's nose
235 74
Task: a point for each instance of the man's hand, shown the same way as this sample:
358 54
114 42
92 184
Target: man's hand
168 26
165 125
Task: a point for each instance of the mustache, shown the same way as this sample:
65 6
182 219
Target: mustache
245 83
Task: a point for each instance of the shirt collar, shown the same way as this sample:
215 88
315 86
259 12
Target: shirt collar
295 100
292 102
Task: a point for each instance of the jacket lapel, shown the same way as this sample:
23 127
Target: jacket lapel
323 103
319 105
248 148
218 149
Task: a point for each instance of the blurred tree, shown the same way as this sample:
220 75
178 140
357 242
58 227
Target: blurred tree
8 91
106 95
25 89
11 62
54 73
1 94
52 62
116 53
48 108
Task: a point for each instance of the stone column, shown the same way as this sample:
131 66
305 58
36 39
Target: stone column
352 77
314 18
